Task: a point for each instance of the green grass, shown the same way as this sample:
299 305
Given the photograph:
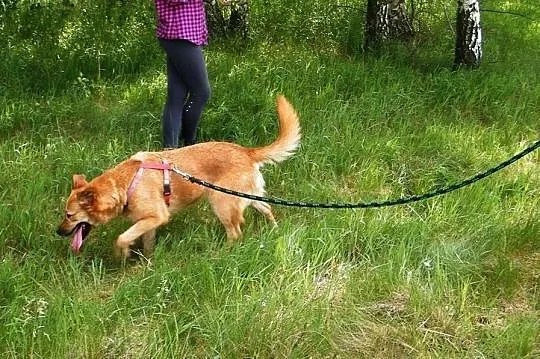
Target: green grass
455 276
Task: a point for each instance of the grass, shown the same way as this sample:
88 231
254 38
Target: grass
455 276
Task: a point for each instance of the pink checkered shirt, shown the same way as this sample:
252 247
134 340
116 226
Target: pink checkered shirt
182 19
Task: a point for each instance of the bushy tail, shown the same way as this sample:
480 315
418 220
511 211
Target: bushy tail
288 139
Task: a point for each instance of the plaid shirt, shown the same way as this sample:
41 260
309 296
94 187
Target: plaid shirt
182 19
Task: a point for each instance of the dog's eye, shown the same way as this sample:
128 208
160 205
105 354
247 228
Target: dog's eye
69 215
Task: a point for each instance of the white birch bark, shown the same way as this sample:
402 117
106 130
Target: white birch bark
468 51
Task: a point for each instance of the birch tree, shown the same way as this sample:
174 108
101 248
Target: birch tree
386 19
468 51
225 21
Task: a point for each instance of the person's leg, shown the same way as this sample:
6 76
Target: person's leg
198 92
188 61
174 107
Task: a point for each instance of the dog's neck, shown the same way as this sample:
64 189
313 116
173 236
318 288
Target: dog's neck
118 185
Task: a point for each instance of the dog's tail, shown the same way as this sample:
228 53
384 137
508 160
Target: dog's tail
288 139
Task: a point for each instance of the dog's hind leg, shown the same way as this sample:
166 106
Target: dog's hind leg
232 219
266 210
262 207
230 212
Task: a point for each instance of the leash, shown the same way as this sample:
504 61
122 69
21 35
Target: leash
373 204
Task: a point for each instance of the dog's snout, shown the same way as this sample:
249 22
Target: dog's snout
61 232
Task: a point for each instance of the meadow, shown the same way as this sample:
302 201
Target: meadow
455 276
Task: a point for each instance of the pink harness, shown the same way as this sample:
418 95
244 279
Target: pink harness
165 167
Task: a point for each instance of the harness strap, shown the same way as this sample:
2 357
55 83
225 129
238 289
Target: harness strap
165 167
166 183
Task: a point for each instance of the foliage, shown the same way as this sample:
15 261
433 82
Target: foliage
58 42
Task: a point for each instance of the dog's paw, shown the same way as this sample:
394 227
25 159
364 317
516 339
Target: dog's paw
121 253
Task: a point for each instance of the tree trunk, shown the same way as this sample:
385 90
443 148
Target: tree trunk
468 50
227 21
239 19
386 20
372 38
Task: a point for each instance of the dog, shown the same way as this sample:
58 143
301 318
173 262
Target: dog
142 188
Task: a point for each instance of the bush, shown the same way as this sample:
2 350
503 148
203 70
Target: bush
48 45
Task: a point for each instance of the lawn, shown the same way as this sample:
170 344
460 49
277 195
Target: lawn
451 277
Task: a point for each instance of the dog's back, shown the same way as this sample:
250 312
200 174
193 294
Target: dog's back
236 167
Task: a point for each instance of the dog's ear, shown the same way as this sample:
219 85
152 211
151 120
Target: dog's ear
86 197
78 181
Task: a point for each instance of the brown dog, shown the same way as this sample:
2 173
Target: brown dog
143 195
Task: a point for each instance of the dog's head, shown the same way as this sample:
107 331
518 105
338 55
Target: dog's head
86 206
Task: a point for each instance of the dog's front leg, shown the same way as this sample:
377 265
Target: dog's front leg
143 226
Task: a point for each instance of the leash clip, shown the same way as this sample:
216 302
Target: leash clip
182 174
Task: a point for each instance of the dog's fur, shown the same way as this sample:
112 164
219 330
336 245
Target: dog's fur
224 164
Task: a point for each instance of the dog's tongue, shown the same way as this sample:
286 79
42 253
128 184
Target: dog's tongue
76 243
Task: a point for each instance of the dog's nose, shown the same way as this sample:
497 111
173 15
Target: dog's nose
60 232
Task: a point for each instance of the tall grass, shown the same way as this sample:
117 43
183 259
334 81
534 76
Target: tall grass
455 276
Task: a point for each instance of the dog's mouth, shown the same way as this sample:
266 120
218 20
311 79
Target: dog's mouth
79 235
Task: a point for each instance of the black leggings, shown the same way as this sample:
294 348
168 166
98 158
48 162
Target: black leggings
188 90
